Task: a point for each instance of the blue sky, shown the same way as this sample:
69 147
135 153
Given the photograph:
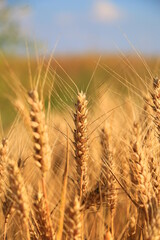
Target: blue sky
93 25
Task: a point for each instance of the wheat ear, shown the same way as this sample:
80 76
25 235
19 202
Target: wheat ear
42 152
74 220
108 181
141 183
81 143
41 215
155 228
131 230
148 142
3 156
19 195
7 204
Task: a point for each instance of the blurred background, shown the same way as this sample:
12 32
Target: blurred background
81 26
79 32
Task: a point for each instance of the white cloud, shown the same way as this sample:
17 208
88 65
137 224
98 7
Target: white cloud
105 11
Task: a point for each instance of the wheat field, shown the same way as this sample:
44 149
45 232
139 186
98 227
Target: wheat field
88 171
